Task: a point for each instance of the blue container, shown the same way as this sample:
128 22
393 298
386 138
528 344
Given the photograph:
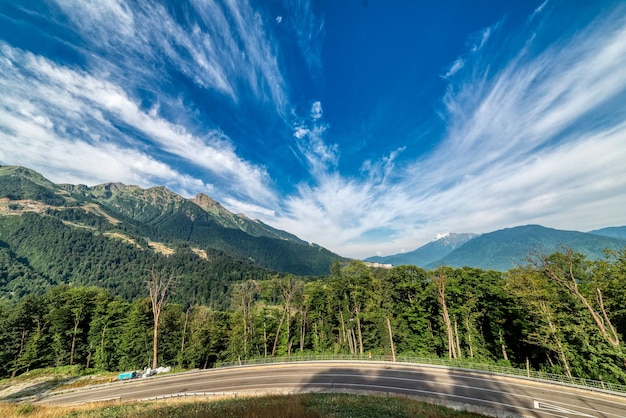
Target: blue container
127 375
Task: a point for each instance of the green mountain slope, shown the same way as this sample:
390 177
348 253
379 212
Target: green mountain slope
37 251
618 232
506 248
19 183
157 214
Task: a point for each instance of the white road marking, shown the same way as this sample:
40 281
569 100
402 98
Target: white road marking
548 407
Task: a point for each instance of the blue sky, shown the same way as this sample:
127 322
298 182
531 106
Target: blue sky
366 126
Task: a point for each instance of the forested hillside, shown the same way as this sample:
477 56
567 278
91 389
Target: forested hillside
39 251
157 214
561 313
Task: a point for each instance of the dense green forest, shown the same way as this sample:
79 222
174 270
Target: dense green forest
560 312
37 252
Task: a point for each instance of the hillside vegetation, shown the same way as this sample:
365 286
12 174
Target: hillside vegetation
76 264
561 313
159 215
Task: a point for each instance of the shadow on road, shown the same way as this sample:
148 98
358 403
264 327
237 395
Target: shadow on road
455 389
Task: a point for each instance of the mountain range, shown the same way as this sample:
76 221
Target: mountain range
162 218
111 234
506 248
426 254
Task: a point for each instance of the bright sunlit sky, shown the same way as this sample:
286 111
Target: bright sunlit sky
365 126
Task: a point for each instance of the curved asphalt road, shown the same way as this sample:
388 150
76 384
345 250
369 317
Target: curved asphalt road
502 395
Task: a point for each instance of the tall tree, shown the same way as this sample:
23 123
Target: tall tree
358 279
546 311
242 298
440 279
158 288
290 288
562 267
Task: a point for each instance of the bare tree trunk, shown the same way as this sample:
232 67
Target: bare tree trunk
289 289
504 354
393 349
280 325
104 329
242 297
76 322
302 329
19 354
264 337
555 337
441 292
614 338
288 333
89 355
468 325
244 319
351 342
343 330
358 327
568 280
155 336
182 343
158 289
456 335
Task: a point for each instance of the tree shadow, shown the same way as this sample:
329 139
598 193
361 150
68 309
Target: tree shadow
35 390
483 393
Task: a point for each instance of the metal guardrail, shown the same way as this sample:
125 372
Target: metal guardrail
454 363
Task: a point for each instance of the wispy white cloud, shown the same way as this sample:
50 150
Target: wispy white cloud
484 37
538 139
534 133
133 48
309 31
454 68
227 49
28 140
316 110
310 135
539 9
45 106
476 43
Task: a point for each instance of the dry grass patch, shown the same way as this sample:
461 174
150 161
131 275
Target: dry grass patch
286 406
160 248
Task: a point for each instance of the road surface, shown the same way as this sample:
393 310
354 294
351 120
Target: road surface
504 395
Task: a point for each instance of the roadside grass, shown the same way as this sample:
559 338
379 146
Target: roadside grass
308 405
36 382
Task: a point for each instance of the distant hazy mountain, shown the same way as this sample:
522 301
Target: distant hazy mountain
428 253
506 248
618 232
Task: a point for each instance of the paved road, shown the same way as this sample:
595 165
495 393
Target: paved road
517 396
